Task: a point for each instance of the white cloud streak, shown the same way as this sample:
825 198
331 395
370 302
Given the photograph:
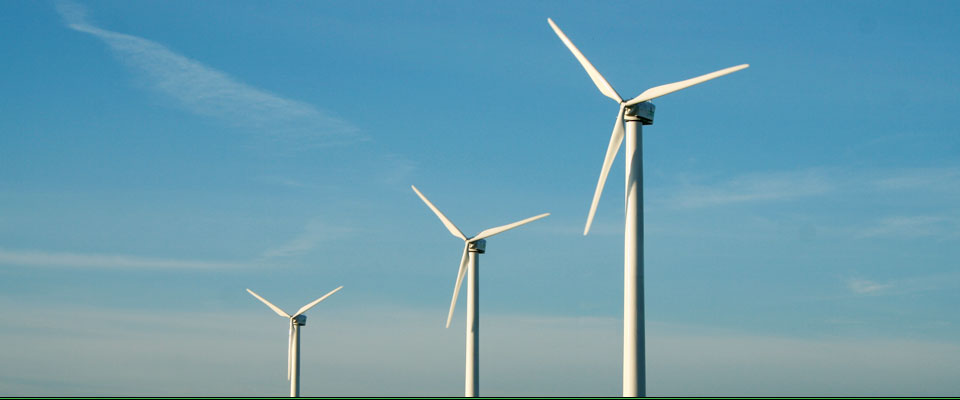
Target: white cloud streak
110 261
209 92
314 233
912 227
757 187
789 185
863 286
940 178
907 285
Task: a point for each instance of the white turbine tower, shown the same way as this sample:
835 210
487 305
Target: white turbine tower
469 265
634 113
293 341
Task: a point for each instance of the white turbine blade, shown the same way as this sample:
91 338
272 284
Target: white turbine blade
661 90
269 304
313 303
446 221
616 138
456 287
598 79
493 231
290 349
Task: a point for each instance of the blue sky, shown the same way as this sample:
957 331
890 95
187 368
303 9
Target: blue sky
157 158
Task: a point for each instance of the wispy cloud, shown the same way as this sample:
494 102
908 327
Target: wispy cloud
292 183
314 233
397 170
755 187
912 226
940 281
863 286
934 178
121 261
282 181
944 281
206 91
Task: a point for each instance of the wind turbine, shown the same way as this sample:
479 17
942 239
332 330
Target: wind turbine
469 265
293 341
634 113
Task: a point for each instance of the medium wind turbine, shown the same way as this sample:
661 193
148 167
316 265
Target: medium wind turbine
469 265
634 113
293 341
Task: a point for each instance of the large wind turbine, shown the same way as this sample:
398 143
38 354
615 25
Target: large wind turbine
293 341
469 265
634 113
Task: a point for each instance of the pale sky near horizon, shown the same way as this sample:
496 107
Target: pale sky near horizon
157 158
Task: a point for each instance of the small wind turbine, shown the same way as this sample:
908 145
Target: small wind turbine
293 341
469 265
634 112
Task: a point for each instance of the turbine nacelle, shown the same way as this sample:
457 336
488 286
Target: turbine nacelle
642 112
479 246
300 320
